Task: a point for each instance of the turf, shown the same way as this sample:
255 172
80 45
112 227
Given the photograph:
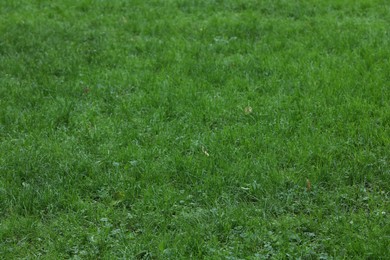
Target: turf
177 129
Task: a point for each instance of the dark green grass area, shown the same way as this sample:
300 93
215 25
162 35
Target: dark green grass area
185 129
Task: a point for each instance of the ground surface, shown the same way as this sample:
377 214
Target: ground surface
179 128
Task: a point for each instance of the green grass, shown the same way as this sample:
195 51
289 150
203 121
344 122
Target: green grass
125 129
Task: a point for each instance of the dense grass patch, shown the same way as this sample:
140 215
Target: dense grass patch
206 129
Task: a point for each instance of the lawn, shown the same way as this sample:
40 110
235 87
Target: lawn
178 129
